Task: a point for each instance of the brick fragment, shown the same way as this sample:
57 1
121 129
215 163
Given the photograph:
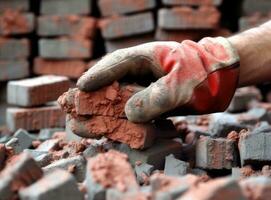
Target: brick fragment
49 145
124 26
215 153
61 7
14 48
47 133
2 155
56 185
115 7
67 25
78 161
143 171
36 91
35 118
20 172
13 69
14 23
191 2
188 18
175 167
114 194
14 143
65 48
70 68
19 5
25 139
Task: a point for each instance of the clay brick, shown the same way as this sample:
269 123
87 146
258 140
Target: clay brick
188 18
21 171
47 133
64 187
49 145
175 167
124 26
61 7
113 45
252 6
36 91
70 68
19 5
14 48
68 25
13 69
24 137
65 48
215 153
35 118
115 7
191 2
143 171
14 23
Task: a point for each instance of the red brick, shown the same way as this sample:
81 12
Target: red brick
35 118
70 68
70 25
20 5
205 17
14 48
124 26
114 7
13 69
14 23
191 2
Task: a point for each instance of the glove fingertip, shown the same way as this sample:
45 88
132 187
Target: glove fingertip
134 111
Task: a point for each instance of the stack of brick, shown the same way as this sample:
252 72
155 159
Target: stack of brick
255 13
179 20
126 23
66 32
16 23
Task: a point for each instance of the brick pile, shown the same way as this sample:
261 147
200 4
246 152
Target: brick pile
66 35
126 23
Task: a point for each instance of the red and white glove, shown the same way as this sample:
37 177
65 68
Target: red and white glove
193 78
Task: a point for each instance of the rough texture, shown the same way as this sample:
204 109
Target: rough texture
14 48
191 2
13 69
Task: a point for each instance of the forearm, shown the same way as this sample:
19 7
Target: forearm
254 49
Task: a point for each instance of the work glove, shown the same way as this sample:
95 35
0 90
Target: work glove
192 78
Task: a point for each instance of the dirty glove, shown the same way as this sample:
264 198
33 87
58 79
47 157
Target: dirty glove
193 78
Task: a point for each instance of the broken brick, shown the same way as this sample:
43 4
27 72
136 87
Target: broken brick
188 18
13 69
25 139
47 133
67 25
14 143
143 171
36 91
2 155
14 48
175 167
19 5
191 2
48 145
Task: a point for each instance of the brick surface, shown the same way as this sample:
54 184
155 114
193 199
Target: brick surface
124 26
175 167
188 18
61 7
14 23
14 48
252 6
21 172
35 118
143 171
114 7
24 137
14 143
113 45
191 2
70 68
20 5
36 91
64 187
49 145
69 25
65 48
13 69
215 153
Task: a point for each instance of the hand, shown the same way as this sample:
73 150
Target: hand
194 78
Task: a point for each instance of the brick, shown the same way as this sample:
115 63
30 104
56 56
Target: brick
36 91
64 187
216 153
14 143
47 133
19 5
65 48
42 158
25 139
61 7
252 6
124 26
70 68
119 174
191 2
254 147
14 48
115 7
70 136
175 167
21 171
113 45
14 23
254 116
13 69
78 161
35 118
114 194
154 155
48 145
142 171
68 25
188 18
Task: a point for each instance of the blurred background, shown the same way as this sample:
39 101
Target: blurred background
66 37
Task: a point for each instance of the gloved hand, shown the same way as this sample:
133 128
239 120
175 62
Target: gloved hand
193 78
